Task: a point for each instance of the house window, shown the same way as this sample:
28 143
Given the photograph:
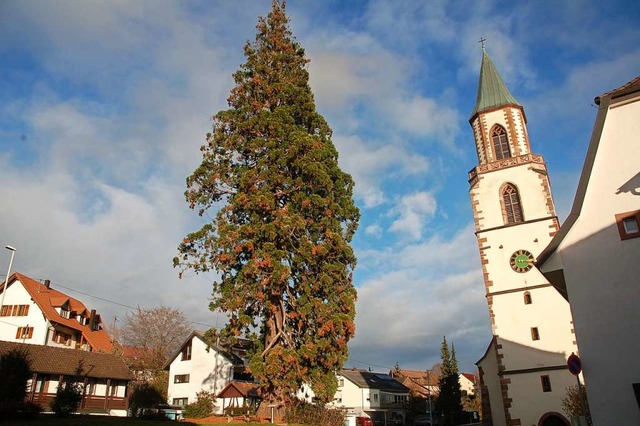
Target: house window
181 378
64 313
534 333
186 352
500 143
512 208
527 298
546 383
340 382
62 338
24 333
375 397
14 310
628 224
181 401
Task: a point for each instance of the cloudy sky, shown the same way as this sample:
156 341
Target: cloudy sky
104 105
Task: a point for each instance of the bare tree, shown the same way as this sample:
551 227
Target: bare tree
156 332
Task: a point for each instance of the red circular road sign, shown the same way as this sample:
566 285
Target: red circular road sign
574 364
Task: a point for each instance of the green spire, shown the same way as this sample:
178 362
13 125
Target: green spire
492 92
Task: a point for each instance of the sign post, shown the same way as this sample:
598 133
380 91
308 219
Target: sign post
574 364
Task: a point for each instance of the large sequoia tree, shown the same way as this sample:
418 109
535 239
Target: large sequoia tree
280 240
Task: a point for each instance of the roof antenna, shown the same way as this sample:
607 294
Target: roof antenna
482 40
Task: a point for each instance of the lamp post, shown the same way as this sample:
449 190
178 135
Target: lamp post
429 394
6 281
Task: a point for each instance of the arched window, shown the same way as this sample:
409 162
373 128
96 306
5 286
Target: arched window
511 204
527 298
500 143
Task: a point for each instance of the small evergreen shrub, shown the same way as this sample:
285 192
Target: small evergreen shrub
15 371
202 407
67 399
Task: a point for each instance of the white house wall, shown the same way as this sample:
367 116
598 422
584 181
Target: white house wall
601 272
208 371
18 295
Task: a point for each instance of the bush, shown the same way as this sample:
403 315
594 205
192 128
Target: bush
202 407
144 397
15 371
575 402
67 399
313 415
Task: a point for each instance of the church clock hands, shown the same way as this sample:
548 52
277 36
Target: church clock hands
521 261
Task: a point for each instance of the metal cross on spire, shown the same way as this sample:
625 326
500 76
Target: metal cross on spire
482 40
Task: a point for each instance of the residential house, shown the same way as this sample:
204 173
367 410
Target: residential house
34 313
201 366
104 377
468 383
375 395
421 383
594 259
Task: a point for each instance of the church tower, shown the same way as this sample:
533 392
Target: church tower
523 372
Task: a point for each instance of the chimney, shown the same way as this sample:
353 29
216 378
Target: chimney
92 319
47 283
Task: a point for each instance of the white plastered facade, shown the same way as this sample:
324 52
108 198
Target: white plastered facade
513 367
208 370
601 269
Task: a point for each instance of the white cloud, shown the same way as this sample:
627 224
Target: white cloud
425 292
413 211
373 230
370 165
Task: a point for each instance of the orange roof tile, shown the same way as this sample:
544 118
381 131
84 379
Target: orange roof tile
48 299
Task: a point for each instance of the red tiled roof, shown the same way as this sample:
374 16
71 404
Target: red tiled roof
48 299
472 377
625 89
52 360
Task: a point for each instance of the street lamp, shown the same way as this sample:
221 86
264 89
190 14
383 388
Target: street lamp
6 281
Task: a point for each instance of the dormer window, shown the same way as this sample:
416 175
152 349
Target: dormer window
64 313
500 143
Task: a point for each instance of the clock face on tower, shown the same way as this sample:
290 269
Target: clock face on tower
521 261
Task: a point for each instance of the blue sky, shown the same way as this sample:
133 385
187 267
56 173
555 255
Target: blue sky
104 105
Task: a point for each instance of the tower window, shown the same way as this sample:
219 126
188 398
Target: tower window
546 383
512 208
527 298
500 143
535 335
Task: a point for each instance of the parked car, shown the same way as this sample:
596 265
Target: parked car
364 421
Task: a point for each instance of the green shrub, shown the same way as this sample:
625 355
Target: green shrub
67 399
15 371
202 407
144 397
314 415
